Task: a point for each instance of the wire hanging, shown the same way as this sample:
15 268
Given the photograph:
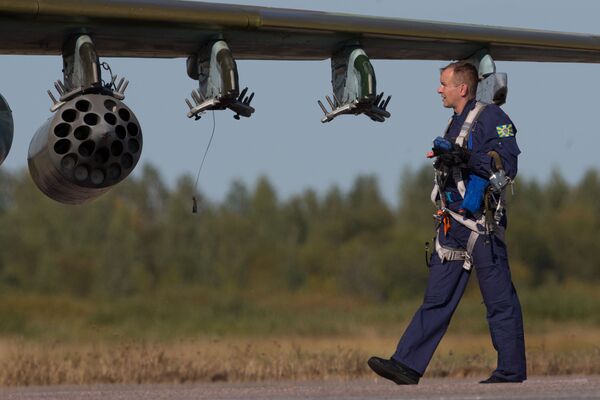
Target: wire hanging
212 134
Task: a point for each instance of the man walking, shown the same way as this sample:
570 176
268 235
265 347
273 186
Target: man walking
475 160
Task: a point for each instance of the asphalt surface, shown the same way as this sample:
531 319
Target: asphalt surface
572 388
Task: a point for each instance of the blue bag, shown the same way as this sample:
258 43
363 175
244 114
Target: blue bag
474 195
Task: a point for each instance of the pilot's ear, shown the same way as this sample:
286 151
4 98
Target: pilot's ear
464 89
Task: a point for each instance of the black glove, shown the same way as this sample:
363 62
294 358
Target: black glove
448 154
457 156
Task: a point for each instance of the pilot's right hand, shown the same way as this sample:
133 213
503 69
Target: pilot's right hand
448 154
441 145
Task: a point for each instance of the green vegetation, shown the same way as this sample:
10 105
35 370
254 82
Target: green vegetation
191 312
136 263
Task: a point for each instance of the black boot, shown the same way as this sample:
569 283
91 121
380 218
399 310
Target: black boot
497 379
394 371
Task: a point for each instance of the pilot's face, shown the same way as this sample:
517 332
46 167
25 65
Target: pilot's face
451 92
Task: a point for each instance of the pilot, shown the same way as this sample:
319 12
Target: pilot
474 162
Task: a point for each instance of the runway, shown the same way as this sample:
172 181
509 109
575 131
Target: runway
542 388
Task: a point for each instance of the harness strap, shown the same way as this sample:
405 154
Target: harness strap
449 254
468 124
465 131
435 192
477 230
477 226
460 184
436 187
470 246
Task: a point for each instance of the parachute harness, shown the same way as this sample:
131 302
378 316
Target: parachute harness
444 215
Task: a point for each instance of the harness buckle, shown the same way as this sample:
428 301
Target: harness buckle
468 264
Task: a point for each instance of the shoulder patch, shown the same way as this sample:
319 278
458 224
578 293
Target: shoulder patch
505 130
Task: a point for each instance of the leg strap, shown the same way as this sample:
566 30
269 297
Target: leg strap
449 254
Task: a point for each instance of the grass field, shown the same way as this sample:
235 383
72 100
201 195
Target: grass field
186 313
197 335
570 351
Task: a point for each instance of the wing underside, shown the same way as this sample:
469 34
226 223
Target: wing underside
166 28
94 140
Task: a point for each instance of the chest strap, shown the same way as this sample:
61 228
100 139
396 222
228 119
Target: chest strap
465 130
463 136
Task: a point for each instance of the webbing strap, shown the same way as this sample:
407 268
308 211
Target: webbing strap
470 246
436 187
469 121
471 242
465 130
434 193
477 226
460 184
448 254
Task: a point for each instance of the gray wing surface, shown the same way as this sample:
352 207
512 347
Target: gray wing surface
168 28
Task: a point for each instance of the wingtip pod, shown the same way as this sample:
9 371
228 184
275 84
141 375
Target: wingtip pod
6 129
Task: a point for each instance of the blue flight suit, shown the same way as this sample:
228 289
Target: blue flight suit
447 280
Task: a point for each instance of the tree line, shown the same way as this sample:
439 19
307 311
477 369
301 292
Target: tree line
142 237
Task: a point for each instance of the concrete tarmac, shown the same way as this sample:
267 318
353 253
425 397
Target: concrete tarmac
536 388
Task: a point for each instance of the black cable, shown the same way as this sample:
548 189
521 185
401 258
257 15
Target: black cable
212 134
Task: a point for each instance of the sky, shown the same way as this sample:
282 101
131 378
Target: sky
554 106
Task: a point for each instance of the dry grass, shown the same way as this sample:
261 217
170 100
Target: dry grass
27 363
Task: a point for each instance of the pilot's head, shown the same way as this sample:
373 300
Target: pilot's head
458 84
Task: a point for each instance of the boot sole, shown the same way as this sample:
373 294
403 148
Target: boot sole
380 370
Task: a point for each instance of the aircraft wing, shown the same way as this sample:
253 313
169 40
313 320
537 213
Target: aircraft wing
170 28
93 141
